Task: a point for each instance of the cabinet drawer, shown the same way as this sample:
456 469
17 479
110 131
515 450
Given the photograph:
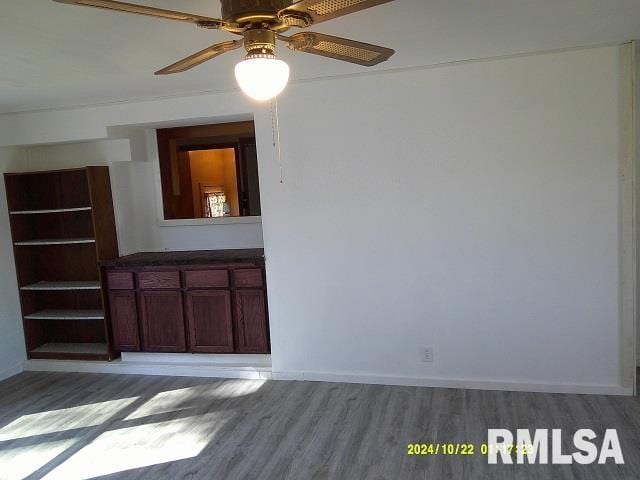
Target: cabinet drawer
206 278
120 280
248 277
157 280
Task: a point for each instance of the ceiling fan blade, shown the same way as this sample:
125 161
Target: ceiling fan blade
338 48
200 57
143 10
323 10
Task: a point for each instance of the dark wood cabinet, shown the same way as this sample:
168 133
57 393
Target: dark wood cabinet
126 337
201 302
250 327
162 321
209 321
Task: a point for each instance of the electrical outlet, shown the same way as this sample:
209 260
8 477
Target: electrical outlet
427 355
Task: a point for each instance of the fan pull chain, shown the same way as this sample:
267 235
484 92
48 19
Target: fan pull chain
275 130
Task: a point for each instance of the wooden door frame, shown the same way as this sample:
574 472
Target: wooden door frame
224 135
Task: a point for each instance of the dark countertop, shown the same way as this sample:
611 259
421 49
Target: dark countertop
198 257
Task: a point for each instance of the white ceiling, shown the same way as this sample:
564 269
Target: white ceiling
55 55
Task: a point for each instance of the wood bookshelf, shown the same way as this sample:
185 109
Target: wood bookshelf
62 225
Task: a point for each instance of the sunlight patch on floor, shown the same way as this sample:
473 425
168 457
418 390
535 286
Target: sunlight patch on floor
169 401
192 397
64 419
20 462
142 446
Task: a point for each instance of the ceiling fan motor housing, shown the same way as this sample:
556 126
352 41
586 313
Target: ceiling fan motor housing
243 11
260 41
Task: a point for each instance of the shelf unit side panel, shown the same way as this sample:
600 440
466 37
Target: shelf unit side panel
104 222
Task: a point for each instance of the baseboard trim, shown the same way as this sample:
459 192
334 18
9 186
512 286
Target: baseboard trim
11 371
453 383
164 369
213 359
261 372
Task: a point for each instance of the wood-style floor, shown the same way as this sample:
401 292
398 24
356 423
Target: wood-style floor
67 426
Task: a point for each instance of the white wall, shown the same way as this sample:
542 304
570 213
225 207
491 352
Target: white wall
471 208
12 348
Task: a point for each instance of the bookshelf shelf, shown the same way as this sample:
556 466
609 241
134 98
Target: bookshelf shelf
71 350
55 210
55 241
61 286
66 315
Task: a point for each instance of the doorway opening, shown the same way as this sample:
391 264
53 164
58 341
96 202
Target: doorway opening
214 183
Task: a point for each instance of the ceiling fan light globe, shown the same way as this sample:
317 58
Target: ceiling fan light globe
262 77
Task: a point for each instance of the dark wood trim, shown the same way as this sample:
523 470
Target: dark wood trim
246 190
221 143
40 172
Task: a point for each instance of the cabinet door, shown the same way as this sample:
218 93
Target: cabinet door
209 319
250 322
124 321
162 321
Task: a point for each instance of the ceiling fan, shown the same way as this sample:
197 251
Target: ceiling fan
261 23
